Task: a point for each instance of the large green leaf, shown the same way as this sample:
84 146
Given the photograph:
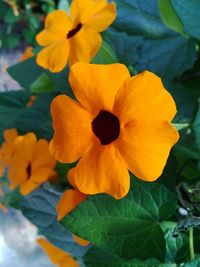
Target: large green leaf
28 72
39 208
37 118
105 55
177 247
128 227
169 16
96 257
188 13
147 43
11 105
42 84
194 263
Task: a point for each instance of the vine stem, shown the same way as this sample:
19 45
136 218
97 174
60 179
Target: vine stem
191 244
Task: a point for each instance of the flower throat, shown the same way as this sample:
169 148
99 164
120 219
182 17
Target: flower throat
106 127
74 31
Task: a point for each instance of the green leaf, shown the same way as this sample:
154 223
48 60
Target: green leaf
177 248
185 97
145 42
39 207
33 72
169 16
188 13
194 263
42 84
12 103
96 257
181 126
128 228
105 55
12 199
37 118
25 72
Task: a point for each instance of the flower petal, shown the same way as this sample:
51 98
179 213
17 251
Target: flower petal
10 134
68 261
57 25
69 201
27 187
144 97
95 86
145 147
103 18
80 240
55 254
102 170
25 146
84 45
82 11
42 157
55 56
72 130
71 178
42 175
17 171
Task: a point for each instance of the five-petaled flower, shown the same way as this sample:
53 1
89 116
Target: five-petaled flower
56 255
32 163
69 39
119 123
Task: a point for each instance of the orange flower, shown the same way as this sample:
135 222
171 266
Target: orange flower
80 241
28 53
74 38
31 165
56 255
7 149
70 199
119 123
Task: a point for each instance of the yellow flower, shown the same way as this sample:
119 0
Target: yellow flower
31 165
76 37
56 255
118 123
7 149
28 53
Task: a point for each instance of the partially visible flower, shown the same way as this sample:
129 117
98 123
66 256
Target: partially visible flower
80 241
56 255
119 123
31 165
28 53
70 199
7 149
31 101
68 39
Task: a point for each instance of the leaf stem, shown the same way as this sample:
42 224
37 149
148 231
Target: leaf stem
191 244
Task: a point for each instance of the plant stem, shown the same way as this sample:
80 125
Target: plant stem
191 243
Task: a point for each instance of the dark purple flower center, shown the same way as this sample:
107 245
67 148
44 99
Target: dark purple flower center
106 127
74 31
28 170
